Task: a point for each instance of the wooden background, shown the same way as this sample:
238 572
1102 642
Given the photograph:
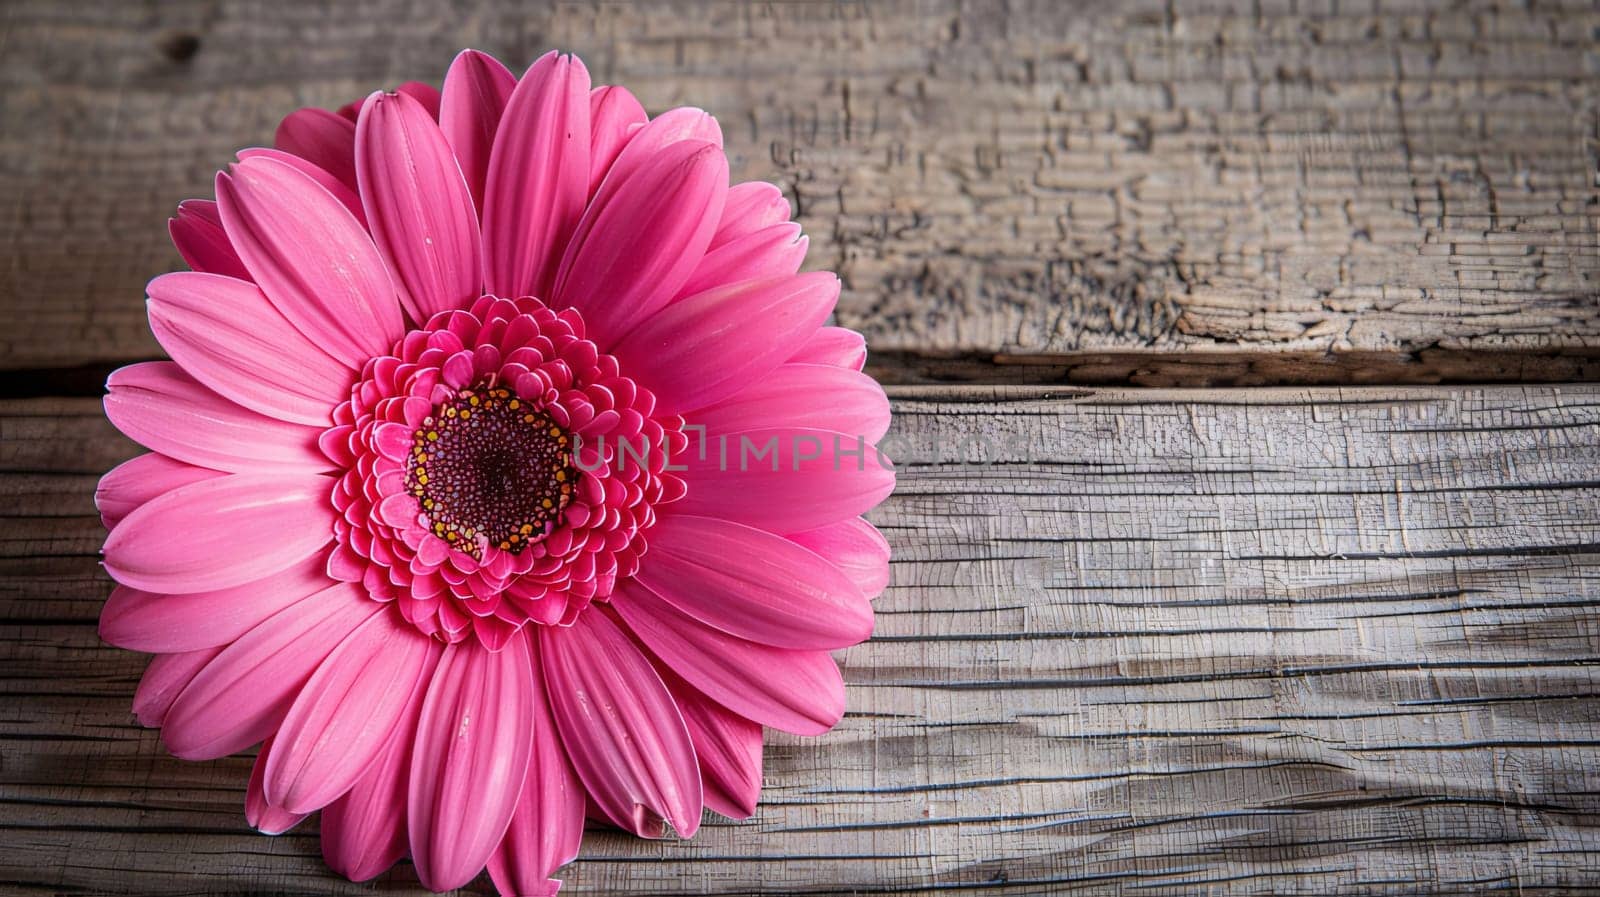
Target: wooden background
1298 619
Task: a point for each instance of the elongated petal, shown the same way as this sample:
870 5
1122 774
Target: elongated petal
221 532
636 245
833 345
775 251
426 95
262 815
242 695
344 193
475 92
854 546
344 715
684 123
853 403
140 479
167 624
624 734
754 584
364 832
818 477
795 691
614 115
727 745
229 336
197 232
418 206
159 406
471 759
164 679
749 328
312 259
548 824
751 206
325 139
538 177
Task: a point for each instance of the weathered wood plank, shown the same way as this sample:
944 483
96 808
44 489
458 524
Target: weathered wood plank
1266 641
1280 191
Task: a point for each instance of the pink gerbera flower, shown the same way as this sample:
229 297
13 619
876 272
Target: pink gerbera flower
504 472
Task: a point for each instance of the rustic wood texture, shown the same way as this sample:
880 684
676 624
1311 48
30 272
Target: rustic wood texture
1151 192
1309 641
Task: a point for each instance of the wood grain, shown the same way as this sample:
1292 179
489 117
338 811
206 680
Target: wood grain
1287 641
1151 192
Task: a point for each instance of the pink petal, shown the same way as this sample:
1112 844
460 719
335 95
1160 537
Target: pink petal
426 95
684 123
548 823
419 208
707 347
728 747
795 691
854 546
345 194
261 815
776 251
164 679
242 695
821 477
473 741
475 92
227 334
752 206
198 234
221 532
614 115
364 832
343 717
140 479
159 406
754 585
817 396
839 346
622 730
312 259
325 139
165 624
637 243
538 178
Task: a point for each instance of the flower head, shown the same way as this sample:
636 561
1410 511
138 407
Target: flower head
504 471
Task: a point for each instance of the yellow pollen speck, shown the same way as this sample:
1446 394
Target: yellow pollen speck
555 431
547 503
504 545
465 414
527 418
515 404
471 401
527 528
561 475
433 435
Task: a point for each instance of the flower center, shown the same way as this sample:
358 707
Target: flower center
490 470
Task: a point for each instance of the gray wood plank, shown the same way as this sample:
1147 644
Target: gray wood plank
1290 641
1161 193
